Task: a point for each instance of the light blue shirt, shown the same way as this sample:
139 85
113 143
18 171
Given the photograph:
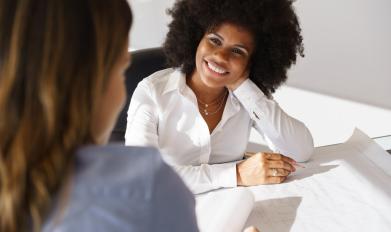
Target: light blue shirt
118 188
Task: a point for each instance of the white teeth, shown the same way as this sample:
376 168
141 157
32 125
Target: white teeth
216 69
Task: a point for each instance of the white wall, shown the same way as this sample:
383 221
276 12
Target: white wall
348 49
347 68
150 22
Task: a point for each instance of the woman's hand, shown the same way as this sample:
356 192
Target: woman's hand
264 168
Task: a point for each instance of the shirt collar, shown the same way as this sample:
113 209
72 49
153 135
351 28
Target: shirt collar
233 102
176 81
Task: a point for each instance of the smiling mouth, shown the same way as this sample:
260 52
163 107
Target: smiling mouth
216 68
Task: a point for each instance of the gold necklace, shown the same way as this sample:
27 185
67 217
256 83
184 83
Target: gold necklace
203 107
217 100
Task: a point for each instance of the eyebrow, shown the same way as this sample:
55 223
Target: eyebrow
236 45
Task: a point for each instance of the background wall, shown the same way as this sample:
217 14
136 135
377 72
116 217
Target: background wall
345 79
348 49
150 22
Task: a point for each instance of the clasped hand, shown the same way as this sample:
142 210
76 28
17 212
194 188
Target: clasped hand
264 168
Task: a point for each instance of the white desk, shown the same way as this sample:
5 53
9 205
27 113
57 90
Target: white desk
344 187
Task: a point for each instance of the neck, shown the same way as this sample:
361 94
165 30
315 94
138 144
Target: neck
203 92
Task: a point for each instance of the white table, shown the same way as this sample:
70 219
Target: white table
344 187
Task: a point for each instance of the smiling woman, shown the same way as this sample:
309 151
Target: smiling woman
223 57
228 57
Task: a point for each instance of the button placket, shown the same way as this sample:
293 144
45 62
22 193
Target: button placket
205 149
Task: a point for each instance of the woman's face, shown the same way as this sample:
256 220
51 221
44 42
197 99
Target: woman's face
223 55
112 101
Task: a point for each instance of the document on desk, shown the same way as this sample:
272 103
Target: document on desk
344 187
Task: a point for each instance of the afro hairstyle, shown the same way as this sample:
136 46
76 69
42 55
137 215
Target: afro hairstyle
273 23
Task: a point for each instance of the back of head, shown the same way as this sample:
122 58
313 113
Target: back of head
55 57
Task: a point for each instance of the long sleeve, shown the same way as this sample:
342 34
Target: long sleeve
206 177
283 133
141 129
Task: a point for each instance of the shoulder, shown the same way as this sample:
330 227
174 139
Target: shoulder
158 82
159 78
113 161
114 187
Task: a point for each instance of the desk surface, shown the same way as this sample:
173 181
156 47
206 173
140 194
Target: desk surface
343 187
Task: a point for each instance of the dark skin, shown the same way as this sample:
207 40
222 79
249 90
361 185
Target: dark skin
211 120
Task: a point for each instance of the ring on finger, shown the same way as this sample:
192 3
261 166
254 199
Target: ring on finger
274 172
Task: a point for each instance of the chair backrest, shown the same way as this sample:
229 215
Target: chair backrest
144 63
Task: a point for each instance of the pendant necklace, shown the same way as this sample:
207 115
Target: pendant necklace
204 107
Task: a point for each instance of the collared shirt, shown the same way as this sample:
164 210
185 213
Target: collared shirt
164 113
117 188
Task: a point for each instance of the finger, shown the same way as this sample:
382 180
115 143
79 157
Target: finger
278 156
277 172
280 164
273 156
292 162
288 159
275 179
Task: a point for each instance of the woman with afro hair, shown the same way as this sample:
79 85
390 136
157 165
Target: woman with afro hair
227 59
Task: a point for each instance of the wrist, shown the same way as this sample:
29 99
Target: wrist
238 178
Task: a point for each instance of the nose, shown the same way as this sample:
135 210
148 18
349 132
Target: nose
221 55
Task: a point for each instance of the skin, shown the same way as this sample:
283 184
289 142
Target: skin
112 101
229 48
223 59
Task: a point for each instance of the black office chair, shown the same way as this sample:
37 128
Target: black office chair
144 63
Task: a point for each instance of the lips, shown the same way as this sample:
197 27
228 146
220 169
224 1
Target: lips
215 68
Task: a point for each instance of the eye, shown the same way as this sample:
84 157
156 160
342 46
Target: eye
237 51
215 41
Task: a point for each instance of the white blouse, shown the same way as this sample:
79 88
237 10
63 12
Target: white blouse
163 113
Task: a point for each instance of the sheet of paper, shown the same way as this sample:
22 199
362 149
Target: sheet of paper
224 210
345 187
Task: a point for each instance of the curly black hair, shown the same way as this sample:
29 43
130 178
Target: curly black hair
273 23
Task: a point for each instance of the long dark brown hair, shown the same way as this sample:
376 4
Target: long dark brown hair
55 58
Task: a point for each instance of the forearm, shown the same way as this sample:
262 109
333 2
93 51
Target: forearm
283 133
290 138
206 177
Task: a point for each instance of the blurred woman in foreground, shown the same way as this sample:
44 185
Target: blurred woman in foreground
62 87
